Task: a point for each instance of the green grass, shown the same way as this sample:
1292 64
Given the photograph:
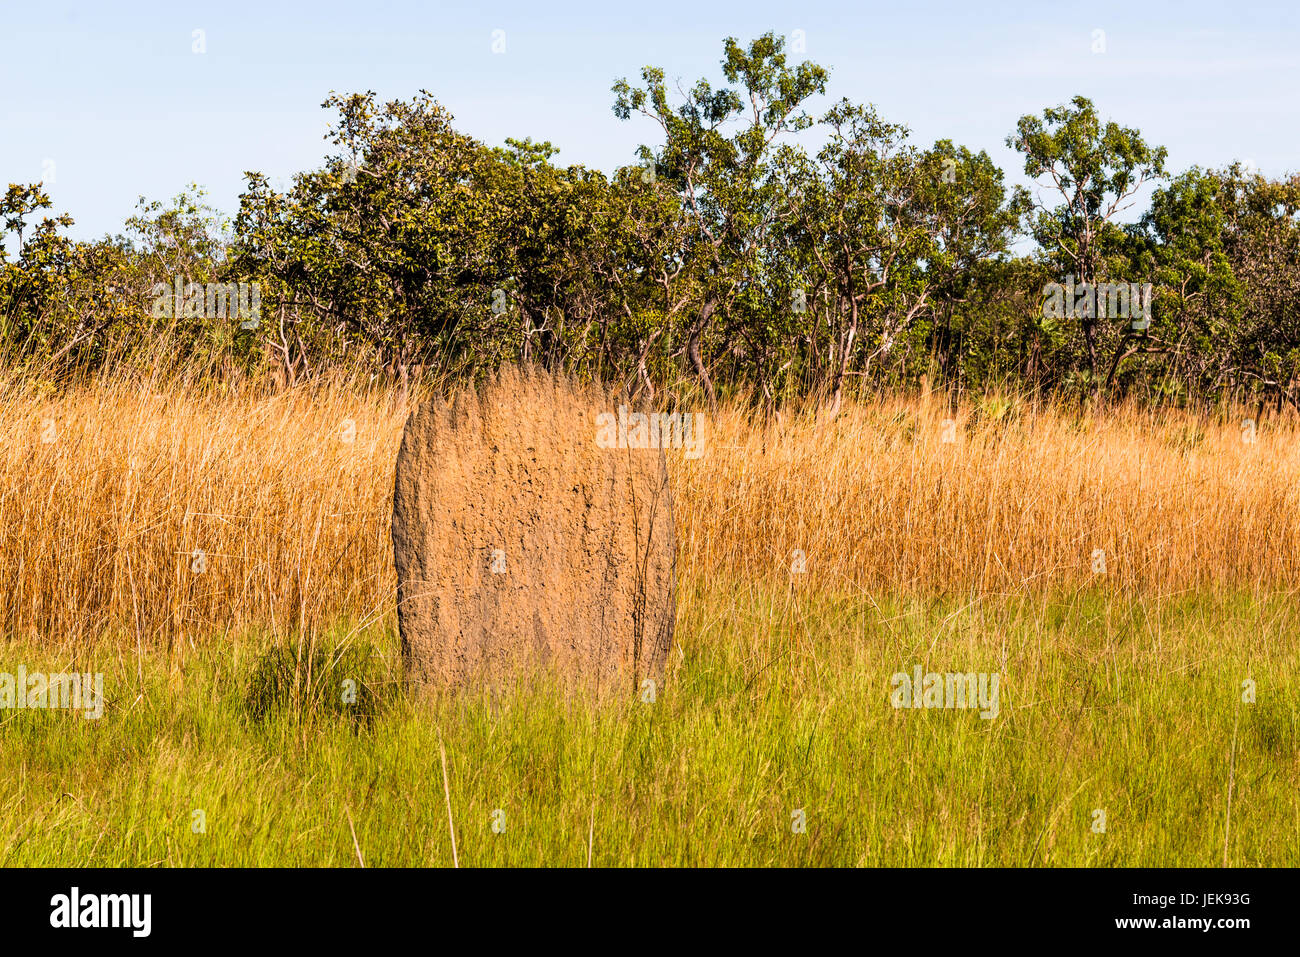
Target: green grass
773 702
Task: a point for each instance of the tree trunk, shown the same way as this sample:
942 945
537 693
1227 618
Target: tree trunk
697 356
842 365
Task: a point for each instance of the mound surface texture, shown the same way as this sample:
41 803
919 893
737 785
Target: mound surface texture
523 545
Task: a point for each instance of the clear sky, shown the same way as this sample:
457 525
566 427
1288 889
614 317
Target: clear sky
107 102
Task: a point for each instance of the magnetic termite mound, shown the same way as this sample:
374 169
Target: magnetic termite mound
524 542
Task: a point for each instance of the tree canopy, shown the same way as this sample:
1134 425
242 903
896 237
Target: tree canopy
756 243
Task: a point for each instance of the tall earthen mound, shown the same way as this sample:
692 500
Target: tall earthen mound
524 543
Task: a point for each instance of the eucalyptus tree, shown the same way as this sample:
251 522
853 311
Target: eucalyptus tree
654 289
30 275
725 177
392 243
964 205
1199 306
1262 243
61 302
851 217
1096 170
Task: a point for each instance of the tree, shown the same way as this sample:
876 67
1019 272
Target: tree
973 221
1097 171
727 183
391 243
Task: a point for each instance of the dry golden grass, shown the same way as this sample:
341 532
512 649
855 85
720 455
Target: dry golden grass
108 491
101 524
877 499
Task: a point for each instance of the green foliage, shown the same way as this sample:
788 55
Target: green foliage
1096 170
313 683
66 304
733 258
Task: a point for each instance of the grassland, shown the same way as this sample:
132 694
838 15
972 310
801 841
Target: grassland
1121 690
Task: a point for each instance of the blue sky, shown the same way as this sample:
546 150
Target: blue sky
110 102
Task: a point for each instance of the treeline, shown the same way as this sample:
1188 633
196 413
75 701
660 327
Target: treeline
732 256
